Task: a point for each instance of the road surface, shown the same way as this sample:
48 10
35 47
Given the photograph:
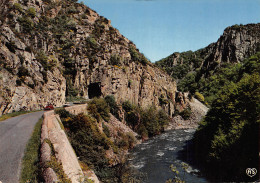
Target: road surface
14 135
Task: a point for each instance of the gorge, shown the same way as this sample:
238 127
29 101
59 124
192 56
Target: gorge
54 51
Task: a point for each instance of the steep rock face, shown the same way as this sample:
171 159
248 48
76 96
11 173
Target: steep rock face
50 49
237 43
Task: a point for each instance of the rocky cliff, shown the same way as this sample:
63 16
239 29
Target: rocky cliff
237 43
51 49
234 45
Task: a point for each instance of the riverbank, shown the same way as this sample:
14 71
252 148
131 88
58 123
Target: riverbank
198 111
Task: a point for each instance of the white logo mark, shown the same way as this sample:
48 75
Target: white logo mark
251 172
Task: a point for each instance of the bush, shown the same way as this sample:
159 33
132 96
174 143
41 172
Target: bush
127 106
71 91
63 113
91 42
31 12
43 59
98 108
18 7
26 23
114 109
199 96
186 113
106 130
115 60
147 122
90 145
134 54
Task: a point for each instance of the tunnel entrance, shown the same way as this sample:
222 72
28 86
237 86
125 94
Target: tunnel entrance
94 90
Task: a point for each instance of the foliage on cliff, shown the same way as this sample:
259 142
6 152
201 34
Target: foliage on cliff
227 139
96 146
147 122
52 50
209 69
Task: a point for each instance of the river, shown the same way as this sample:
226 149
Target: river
154 157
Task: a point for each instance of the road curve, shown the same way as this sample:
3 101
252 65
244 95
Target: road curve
14 135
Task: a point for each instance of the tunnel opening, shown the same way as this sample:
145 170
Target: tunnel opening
94 90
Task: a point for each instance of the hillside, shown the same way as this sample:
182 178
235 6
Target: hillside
53 50
229 134
197 71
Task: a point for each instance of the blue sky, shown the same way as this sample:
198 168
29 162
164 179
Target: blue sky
161 27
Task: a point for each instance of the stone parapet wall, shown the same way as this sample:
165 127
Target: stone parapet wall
54 143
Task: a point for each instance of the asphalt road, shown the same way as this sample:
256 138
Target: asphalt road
14 135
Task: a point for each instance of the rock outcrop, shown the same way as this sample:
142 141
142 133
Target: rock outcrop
237 43
234 45
52 49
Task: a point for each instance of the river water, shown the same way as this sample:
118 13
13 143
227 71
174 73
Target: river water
154 157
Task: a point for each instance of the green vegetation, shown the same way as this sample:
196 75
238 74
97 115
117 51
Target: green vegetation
31 12
58 169
18 7
90 144
71 91
199 96
30 163
232 123
136 56
116 60
76 99
177 178
147 122
13 114
43 59
186 113
26 23
114 109
99 109
106 130
185 63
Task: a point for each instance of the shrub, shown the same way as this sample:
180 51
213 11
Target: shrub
186 113
106 130
18 7
91 42
88 142
199 96
127 106
134 54
31 12
98 108
43 59
72 10
63 113
115 60
114 109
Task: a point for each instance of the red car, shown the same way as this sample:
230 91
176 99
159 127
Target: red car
49 107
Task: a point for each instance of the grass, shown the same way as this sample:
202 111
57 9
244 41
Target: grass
10 115
76 99
30 163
